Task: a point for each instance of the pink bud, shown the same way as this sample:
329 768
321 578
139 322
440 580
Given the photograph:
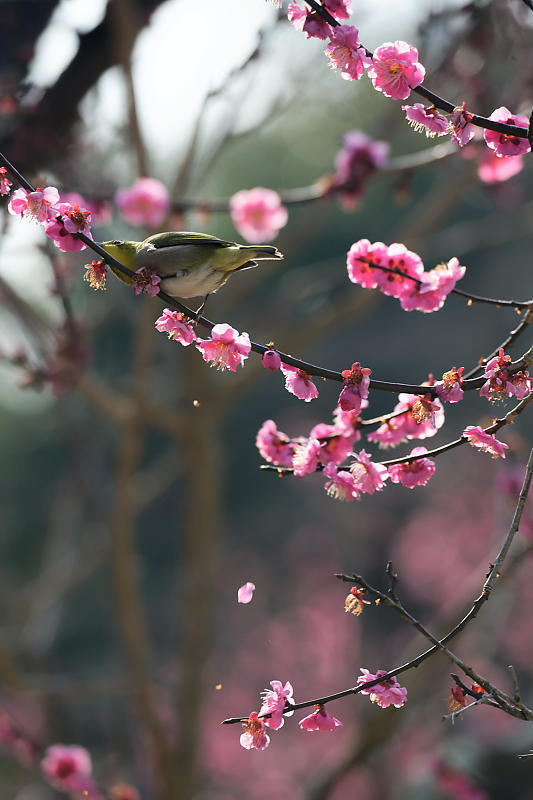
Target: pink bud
271 360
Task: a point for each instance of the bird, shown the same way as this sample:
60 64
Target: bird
189 264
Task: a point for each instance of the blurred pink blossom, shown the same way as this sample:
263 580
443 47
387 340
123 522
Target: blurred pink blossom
5 183
146 202
359 157
493 168
258 214
309 22
69 767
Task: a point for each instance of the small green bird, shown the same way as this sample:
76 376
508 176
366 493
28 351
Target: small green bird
189 264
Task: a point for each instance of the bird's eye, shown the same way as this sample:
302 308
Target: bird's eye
118 242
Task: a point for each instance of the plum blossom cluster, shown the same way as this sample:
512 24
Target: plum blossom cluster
277 704
226 349
393 68
400 273
328 446
501 384
61 220
395 71
385 694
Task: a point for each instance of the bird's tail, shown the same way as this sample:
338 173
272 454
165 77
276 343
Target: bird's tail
262 251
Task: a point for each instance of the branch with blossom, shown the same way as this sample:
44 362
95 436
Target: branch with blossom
395 71
384 683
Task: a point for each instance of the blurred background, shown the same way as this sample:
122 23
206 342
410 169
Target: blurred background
133 506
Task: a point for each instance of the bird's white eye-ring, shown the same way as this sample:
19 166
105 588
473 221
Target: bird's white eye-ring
118 243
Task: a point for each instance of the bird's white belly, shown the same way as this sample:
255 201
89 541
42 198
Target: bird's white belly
199 282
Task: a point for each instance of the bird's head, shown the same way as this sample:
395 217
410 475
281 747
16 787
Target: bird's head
122 251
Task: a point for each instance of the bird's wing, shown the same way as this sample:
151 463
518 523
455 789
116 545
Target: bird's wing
178 238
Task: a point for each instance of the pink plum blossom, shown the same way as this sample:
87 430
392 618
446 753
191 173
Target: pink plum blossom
275 700
426 119
335 442
68 767
456 785
146 280
346 53
5 183
461 128
40 204
449 389
319 720
388 693
340 9
341 484
504 144
258 214
271 360
402 264
413 473
406 425
146 202
275 446
358 159
245 593
227 349
309 22
348 421
395 69
355 387
368 477
485 442
299 383
493 168
359 270
96 275
306 458
174 323
74 220
255 735
435 286
501 383
100 210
